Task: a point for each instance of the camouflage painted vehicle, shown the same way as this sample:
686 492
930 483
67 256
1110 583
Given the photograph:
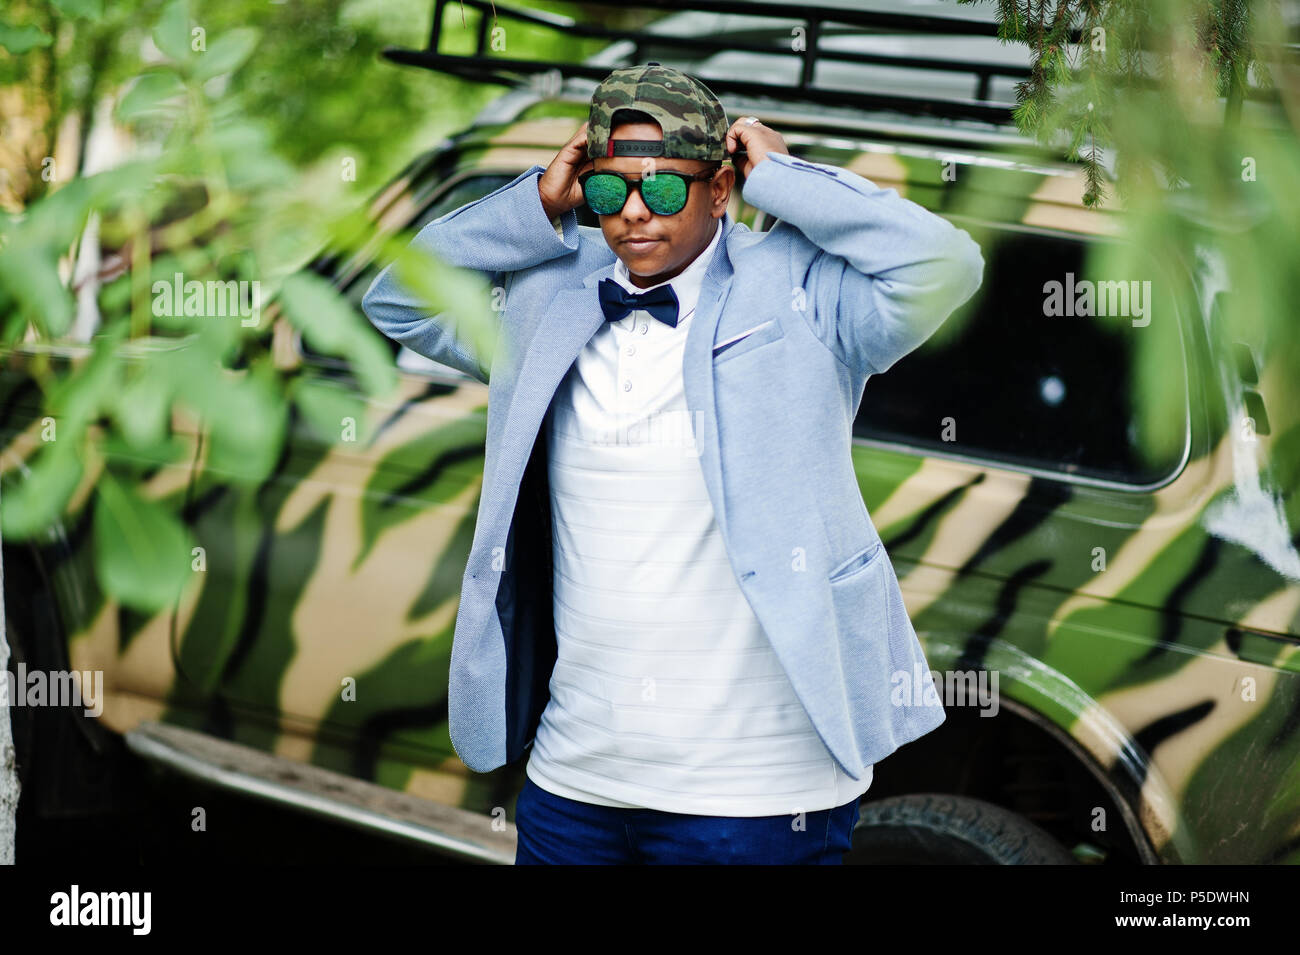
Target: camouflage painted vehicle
1134 589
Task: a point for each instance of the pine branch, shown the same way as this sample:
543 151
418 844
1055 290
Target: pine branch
1079 98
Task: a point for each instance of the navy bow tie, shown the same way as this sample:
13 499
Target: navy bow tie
616 302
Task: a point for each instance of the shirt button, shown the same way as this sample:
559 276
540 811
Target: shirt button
630 350
627 386
642 327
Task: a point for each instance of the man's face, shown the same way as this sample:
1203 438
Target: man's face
656 248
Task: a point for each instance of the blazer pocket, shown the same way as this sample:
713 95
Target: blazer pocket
763 334
857 564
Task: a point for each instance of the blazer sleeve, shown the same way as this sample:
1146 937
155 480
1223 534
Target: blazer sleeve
888 272
502 233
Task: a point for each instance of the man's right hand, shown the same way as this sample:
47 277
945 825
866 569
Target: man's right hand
558 185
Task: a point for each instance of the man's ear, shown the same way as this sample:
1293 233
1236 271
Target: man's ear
722 185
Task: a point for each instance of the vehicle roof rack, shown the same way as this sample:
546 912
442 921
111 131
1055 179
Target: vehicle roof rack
817 21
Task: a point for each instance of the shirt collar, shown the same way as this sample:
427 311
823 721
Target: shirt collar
686 284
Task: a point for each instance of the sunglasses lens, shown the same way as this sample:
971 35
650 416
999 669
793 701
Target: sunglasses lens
605 194
664 195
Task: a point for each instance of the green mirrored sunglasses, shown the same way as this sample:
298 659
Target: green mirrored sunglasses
664 192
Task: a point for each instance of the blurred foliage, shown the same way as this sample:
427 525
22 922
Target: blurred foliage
1176 52
315 78
1198 103
243 137
248 138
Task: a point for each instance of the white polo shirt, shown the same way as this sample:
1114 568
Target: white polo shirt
666 693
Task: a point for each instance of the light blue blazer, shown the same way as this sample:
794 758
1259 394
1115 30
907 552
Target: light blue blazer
852 278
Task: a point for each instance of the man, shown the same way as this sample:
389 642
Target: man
675 595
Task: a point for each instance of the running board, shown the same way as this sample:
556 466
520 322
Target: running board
321 792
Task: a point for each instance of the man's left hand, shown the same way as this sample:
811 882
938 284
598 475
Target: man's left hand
756 139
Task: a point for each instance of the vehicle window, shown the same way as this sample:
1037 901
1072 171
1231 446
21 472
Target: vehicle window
467 190
1025 388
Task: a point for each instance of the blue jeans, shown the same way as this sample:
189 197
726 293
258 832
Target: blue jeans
553 830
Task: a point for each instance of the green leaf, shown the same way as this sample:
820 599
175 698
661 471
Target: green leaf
115 297
226 53
458 296
372 361
90 9
248 154
40 499
32 278
142 552
79 398
327 406
150 94
330 326
172 450
172 33
142 410
245 411
324 317
57 220
20 40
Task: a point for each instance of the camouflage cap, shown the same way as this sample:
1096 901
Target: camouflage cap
693 121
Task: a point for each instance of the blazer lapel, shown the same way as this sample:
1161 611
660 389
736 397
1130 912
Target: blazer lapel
573 317
697 369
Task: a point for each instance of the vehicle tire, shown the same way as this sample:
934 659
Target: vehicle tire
940 829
